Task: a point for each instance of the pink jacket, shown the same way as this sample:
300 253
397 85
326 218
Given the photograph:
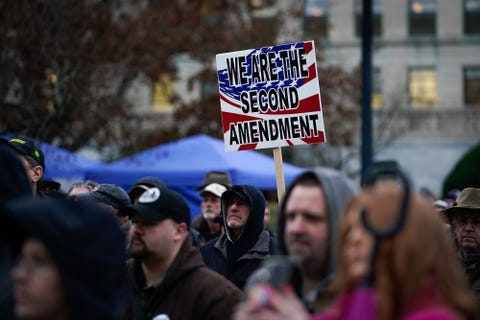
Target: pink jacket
426 303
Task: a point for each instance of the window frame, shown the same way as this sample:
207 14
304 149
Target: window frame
422 24
475 87
163 101
313 18
421 84
377 92
471 19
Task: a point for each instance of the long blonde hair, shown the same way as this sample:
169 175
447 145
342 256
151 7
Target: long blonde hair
422 249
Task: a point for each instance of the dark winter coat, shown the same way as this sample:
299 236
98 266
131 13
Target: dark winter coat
238 259
189 289
13 183
471 266
200 224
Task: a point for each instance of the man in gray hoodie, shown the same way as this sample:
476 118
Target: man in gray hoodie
307 235
307 226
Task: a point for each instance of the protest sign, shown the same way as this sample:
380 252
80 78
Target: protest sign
270 97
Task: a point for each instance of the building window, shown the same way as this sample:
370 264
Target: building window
262 8
263 13
471 17
377 96
163 92
316 19
471 83
422 87
422 18
376 17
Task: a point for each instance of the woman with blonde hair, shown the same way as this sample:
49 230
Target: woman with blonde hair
411 274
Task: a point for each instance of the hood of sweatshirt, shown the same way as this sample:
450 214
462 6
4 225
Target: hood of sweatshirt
254 224
338 190
87 245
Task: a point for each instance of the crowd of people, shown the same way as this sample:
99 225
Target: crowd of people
381 250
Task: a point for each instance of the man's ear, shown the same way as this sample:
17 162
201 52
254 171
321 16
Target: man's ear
37 173
181 229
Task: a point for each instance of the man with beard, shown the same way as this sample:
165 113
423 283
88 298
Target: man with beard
208 224
166 271
306 234
307 226
464 217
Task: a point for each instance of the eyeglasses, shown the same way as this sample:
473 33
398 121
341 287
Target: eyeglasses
462 221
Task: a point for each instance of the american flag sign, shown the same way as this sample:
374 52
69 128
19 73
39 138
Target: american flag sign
270 97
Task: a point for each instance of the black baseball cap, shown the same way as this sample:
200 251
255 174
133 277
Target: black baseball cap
142 185
26 147
159 203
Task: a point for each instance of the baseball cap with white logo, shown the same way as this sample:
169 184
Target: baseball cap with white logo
160 203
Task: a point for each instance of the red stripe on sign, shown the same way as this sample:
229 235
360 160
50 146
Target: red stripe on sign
312 74
318 139
228 117
250 146
230 102
308 46
310 104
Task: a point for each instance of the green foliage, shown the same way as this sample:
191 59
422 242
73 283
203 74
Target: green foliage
465 173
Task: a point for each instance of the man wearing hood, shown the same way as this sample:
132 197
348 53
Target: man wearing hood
307 226
245 244
307 231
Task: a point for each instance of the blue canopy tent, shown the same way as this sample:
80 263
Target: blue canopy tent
61 164
182 165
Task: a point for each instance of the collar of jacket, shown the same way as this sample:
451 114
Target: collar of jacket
260 249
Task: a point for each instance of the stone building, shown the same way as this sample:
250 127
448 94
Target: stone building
426 68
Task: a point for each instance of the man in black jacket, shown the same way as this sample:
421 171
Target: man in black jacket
167 271
245 244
